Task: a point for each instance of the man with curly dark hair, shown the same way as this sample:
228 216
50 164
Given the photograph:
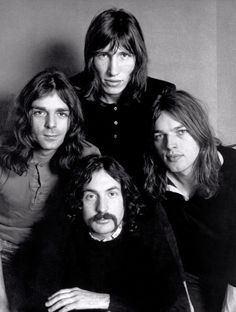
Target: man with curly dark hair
105 259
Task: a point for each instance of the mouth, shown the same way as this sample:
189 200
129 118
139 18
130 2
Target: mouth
173 158
102 221
51 136
113 83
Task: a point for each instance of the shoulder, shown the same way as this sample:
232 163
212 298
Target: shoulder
77 79
89 149
228 169
228 153
4 174
159 85
156 87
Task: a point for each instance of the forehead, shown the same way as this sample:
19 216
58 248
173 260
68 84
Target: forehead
101 181
167 121
113 48
50 101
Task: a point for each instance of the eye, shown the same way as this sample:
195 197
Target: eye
181 132
125 55
91 197
113 194
63 114
101 55
39 113
158 136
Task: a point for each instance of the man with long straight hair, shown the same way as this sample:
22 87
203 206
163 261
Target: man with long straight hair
46 139
114 88
193 177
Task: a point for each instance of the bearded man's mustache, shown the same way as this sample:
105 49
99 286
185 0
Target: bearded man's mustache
105 215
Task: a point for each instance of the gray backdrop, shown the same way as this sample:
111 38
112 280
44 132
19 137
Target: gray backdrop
190 42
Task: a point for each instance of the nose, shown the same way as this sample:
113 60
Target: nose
170 141
101 205
113 66
50 121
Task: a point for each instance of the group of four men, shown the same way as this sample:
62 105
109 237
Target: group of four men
88 242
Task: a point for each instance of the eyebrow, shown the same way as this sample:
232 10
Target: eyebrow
108 190
111 52
174 129
45 109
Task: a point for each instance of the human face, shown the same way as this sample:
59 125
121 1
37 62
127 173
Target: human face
49 121
174 145
114 70
103 207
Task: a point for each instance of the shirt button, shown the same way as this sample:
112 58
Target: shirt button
115 108
115 136
116 122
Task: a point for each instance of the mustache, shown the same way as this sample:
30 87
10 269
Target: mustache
105 215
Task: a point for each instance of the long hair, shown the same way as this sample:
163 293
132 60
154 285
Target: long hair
118 28
82 175
187 110
17 149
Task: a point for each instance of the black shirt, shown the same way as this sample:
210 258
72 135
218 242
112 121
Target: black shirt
205 229
120 129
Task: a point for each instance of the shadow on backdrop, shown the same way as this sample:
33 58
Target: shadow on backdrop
60 54
6 108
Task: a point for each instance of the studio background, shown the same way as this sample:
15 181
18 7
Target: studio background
190 43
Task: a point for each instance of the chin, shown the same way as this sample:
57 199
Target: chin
104 231
51 147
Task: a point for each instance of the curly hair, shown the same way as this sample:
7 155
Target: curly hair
187 110
118 28
82 174
17 148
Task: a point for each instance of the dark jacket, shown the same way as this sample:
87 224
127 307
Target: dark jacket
205 232
120 130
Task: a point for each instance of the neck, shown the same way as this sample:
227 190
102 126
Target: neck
185 183
41 155
110 98
107 237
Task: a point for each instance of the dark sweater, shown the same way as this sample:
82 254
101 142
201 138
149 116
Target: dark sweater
205 230
139 271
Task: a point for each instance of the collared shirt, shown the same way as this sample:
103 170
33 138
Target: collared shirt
24 198
107 239
171 187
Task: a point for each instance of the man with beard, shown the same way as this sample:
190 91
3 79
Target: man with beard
100 261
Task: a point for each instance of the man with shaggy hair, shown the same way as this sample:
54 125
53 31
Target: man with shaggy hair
114 88
46 139
193 177
106 259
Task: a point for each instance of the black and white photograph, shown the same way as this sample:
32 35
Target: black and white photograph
118 155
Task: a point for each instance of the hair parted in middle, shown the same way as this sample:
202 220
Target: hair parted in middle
187 110
117 28
82 175
18 148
